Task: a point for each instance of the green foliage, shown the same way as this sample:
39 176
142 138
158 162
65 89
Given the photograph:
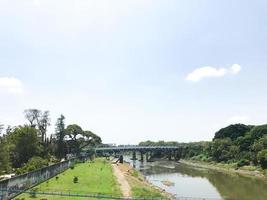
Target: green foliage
4 157
26 148
243 162
235 144
159 143
24 144
80 139
72 166
60 134
223 150
262 158
259 131
233 131
75 179
33 164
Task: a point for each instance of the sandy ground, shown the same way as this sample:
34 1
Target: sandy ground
124 185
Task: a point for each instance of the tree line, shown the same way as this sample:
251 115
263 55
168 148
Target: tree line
28 147
235 144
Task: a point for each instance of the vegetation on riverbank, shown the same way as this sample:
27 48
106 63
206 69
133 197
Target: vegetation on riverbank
237 146
227 168
140 187
94 177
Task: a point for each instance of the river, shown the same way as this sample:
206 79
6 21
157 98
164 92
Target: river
188 181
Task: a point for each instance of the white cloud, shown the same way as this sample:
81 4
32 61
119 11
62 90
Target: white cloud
11 85
235 69
238 119
208 71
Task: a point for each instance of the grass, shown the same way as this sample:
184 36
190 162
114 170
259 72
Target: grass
93 178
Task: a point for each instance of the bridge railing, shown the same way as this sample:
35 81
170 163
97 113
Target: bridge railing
137 148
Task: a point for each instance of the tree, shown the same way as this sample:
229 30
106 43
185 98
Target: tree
60 134
24 144
1 128
43 122
232 131
38 119
258 131
262 158
89 138
80 139
4 156
222 150
32 116
34 163
74 132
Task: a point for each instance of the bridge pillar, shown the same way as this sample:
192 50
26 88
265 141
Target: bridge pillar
177 155
170 156
147 156
134 155
142 156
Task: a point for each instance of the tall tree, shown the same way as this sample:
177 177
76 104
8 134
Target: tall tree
32 115
38 119
24 144
43 122
80 139
4 156
74 133
60 134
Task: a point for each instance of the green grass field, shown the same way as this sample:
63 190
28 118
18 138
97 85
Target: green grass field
93 178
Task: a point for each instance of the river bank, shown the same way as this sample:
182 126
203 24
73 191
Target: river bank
140 187
226 168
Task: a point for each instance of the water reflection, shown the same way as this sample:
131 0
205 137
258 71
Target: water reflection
198 182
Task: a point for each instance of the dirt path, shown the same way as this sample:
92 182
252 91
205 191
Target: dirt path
124 185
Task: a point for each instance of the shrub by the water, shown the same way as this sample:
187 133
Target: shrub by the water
243 162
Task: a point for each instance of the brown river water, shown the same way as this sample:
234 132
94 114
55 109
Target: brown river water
199 183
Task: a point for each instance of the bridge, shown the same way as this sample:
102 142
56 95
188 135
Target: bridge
172 152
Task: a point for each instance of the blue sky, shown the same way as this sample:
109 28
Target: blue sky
135 70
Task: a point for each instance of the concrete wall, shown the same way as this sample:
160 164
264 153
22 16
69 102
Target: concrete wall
25 181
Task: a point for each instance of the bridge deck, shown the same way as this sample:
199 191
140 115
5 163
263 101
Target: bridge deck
136 148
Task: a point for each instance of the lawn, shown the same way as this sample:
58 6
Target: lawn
94 177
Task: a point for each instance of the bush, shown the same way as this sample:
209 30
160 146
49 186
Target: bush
75 179
33 193
33 164
72 167
243 162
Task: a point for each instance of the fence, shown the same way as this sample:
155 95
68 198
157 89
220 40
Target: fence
9 188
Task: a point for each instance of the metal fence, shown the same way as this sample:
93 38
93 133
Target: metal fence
34 193
9 188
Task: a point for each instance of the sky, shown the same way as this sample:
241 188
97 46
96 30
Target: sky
135 70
